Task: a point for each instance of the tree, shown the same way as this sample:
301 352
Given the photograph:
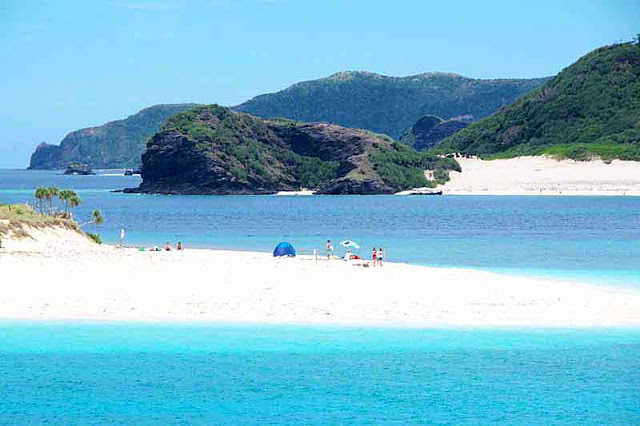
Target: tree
40 195
96 218
49 193
69 199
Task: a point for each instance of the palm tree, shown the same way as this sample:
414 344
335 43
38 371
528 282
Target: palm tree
69 199
51 192
40 195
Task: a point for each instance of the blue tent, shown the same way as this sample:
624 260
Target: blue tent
284 249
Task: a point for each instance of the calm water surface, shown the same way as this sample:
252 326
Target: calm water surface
87 373
123 373
595 239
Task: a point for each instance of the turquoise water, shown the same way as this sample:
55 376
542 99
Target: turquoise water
122 373
592 239
83 373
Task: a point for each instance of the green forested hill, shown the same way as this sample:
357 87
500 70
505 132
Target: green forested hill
213 150
117 144
592 108
388 105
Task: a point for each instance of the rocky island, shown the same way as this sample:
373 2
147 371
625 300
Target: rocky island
213 150
78 169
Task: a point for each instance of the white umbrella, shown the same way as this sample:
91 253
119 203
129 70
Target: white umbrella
349 243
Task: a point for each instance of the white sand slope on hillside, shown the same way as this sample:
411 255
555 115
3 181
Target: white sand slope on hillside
544 176
56 280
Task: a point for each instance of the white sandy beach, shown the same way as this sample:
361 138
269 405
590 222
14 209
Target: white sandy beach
544 176
41 279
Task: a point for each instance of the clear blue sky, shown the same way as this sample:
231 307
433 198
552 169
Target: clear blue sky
72 64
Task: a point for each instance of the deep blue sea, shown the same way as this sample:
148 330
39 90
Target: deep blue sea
88 373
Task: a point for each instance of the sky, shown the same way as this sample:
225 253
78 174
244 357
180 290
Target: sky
66 65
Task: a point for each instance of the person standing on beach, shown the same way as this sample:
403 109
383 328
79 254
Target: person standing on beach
374 256
329 249
380 256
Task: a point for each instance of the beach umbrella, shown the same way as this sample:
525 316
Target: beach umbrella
349 243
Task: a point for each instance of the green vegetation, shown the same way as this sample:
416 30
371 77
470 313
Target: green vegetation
401 167
313 172
95 237
96 218
248 148
69 199
44 201
14 216
213 150
591 109
388 105
117 144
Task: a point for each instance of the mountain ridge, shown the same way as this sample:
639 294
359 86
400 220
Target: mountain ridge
115 144
386 104
590 109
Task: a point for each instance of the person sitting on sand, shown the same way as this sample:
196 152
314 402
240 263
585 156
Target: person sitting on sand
347 255
179 246
380 256
167 247
374 256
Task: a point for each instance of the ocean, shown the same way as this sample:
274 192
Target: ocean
84 373
123 373
591 239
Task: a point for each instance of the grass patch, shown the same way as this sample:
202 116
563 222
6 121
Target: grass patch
14 217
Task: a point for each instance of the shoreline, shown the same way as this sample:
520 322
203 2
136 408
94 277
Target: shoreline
95 283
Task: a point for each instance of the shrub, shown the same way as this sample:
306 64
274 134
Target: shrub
95 237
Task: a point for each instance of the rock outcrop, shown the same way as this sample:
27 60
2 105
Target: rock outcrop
430 129
78 169
213 150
